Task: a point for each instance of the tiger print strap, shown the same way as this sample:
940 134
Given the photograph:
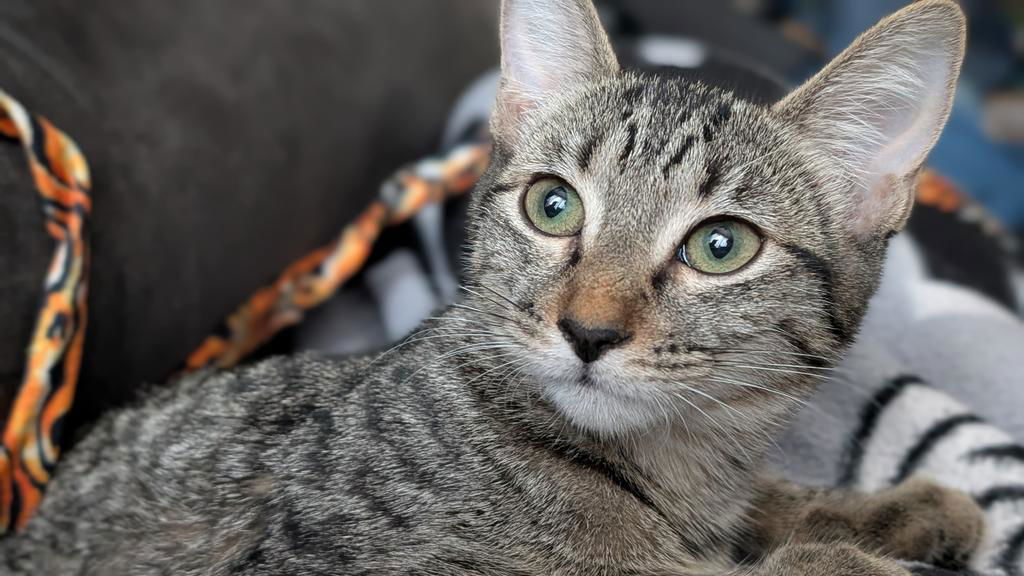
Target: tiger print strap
31 437
316 277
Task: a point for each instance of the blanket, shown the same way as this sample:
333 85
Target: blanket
932 388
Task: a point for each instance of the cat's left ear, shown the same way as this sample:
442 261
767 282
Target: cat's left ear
548 48
878 108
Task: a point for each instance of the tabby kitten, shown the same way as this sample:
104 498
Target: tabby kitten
658 273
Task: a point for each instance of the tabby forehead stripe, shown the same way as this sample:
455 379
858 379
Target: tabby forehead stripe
722 115
627 151
678 155
587 151
712 177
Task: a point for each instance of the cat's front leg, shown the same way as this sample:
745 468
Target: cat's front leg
917 520
825 560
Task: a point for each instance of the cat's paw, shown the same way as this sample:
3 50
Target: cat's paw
923 521
826 560
917 520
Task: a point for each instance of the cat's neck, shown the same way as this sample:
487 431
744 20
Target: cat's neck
695 474
698 478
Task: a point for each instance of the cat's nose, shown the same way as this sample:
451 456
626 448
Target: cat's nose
591 343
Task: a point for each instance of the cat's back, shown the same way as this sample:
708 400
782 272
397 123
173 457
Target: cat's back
241 472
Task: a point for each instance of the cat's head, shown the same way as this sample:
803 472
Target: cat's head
656 248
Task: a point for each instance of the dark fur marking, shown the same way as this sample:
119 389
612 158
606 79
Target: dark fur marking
605 468
789 332
632 94
292 529
499 188
587 152
528 308
324 426
827 280
706 133
928 441
360 486
574 258
869 416
434 419
722 114
992 496
660 278
711 179
678 155
254 559
627 151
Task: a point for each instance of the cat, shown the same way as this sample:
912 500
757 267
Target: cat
658 273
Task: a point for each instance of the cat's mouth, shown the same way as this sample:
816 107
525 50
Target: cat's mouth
594 379
585 378
596 399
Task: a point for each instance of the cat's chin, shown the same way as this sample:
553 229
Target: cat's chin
602 398
591 406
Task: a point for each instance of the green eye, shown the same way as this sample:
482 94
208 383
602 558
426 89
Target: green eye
554 207
720 247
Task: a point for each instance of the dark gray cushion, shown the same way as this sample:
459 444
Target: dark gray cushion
226 139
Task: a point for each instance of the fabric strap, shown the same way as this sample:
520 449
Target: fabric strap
32 434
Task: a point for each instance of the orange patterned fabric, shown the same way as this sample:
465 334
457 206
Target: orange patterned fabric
31 436
935 190
316 277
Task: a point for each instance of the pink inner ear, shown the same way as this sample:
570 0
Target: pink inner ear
510 112
548 47
884 206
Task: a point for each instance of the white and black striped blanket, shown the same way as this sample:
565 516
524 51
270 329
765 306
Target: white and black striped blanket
934 387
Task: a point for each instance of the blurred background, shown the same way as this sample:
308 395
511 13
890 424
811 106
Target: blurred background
982 149
227 143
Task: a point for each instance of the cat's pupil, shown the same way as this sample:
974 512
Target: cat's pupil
555 201
720 242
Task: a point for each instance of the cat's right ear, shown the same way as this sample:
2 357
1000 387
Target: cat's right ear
878 108
548 48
